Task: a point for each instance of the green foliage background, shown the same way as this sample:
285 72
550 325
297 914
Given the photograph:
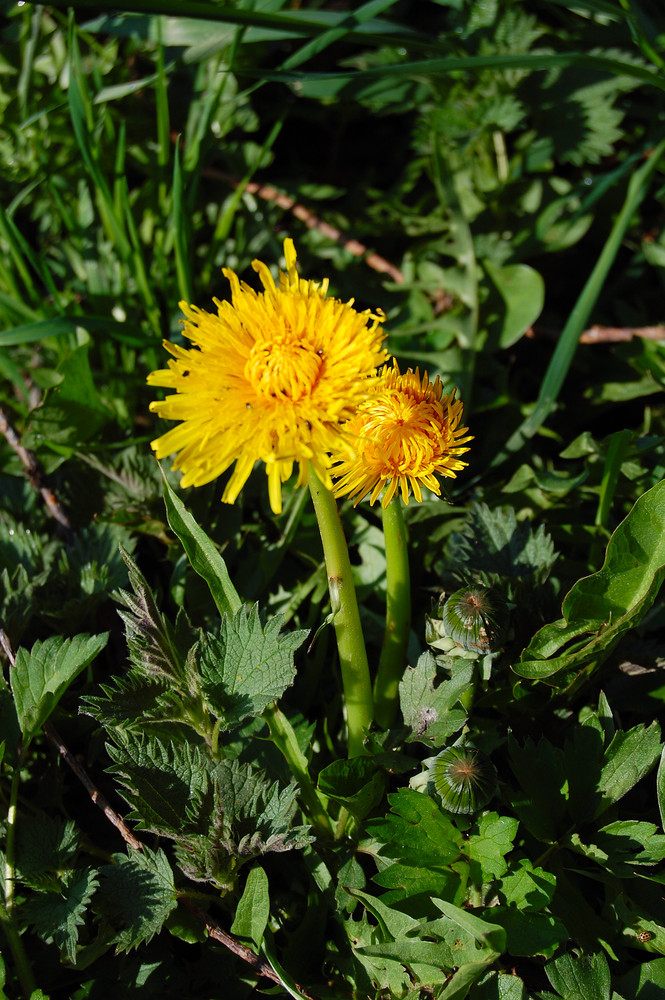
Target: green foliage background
506 159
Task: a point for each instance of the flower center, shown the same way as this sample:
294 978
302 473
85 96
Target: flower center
276 368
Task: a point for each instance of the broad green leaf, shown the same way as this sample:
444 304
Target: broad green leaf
487 848
586 977
646 981
202 554
463 979
136 896
628 758
601 608
621 845
162 782
355 783
529 934
403 881
523 292
253 908
246 667
56 915
416 831
528 888
430 711
72 411
539 801
40 678
488 935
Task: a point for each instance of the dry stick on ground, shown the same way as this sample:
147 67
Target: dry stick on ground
35 474
258 964
442 301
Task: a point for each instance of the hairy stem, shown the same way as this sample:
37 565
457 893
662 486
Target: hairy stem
284 738
350 640
398 616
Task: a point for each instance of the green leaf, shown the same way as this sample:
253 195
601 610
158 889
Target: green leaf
529 934
416 831
44 844
72 412
500 986
539 801
40 678
523 292
529 889
430 711
137 894
403 881
253 910
628 758
601 608
487 848
246 667
645 981
57 915
660 788
355 783
586 977
203 556
164 783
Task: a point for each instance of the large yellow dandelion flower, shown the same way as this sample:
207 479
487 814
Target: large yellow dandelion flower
406 433
274 376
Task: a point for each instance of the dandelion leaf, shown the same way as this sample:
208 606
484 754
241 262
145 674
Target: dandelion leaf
247 666
136 896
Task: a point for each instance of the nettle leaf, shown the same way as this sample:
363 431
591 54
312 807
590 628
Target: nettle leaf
430 711
586 977
44 844
133 701
487 848
246 667
494 547
57 915
136 896
40 678
164 783
601 608
416 831
155 649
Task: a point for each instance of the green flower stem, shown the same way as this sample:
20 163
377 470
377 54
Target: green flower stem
398 616
284 738
23 970
350 640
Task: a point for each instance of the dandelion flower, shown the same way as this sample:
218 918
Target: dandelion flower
406 433
273 376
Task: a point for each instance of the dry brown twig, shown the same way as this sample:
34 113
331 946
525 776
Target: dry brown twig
258 964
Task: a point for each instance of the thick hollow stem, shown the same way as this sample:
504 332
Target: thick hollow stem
350 640
398 616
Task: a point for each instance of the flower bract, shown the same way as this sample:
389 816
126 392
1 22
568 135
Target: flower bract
272 376
406 433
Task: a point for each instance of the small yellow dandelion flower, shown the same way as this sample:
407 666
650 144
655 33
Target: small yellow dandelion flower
406 433
274 376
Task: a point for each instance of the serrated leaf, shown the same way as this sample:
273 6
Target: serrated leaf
44 844
601 608
56 916
253 909
430 710
129 702
137 894
586 977
527 888
628 758
155 649
163 782
246 667
488 847
416 831
40 678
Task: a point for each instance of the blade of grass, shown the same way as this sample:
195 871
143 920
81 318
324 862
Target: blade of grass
564 352
326 38
163 123
58 326
181 233
80 111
